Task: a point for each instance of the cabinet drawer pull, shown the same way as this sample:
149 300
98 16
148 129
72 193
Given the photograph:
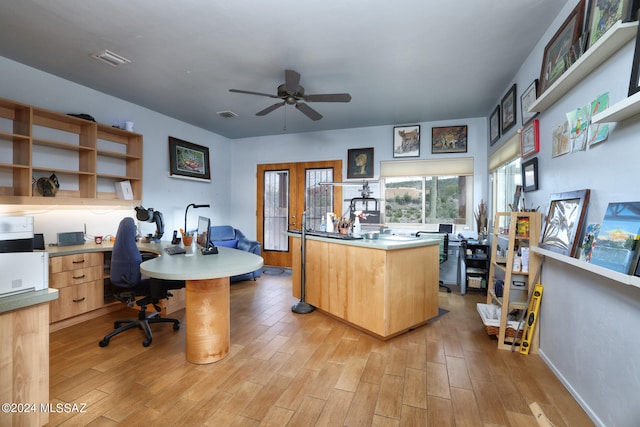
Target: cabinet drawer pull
79 299
79 277
78 262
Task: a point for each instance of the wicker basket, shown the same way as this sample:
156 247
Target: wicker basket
490 325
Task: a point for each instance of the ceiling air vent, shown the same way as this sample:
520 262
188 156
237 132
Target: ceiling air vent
110 58
227 114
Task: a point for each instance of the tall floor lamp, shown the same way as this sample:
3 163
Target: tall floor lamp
302 307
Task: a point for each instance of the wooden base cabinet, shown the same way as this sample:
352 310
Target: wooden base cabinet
383 292
24 361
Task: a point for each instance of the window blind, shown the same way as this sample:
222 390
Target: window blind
507 152
456 166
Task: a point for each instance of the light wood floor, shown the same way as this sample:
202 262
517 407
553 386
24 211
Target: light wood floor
305 370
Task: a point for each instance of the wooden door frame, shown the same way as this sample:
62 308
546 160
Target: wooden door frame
296 206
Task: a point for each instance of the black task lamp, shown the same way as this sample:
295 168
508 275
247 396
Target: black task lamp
149 215
193 205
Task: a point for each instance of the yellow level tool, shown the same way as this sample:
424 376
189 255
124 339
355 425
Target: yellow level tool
532 317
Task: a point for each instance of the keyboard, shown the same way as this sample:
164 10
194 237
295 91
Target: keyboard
175 250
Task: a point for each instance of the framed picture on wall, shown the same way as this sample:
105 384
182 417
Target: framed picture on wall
555 57
449 139
360 163
603 15
564 222
530 139
530 175
526 99
188 160
634 84
508 107
406 141
494 125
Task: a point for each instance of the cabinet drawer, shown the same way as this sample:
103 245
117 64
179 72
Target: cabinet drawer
74 262
77 299
75 277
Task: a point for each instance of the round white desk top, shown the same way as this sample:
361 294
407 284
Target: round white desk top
195 266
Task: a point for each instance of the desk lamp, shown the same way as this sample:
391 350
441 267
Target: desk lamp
187 210
149 215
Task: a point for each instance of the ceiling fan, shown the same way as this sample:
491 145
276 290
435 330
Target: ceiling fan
292 93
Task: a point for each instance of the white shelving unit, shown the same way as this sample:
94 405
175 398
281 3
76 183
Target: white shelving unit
619 111
611 42
596 269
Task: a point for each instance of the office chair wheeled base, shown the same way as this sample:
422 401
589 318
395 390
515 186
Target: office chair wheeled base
141 322
442 285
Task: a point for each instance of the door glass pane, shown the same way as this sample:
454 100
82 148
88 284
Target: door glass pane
276 210
319 198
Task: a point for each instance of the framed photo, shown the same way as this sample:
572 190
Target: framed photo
616 245
634 84
603 15
406 141
188 160
360 163
564 222
526 99
530 139
530 175
494 125
555 57
508 107
449 139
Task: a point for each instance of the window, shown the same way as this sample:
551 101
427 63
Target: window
424 192
426 199
504 172
504 180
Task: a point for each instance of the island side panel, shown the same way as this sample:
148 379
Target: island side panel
364 302
411 287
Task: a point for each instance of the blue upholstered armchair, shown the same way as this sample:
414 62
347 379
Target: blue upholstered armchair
226 235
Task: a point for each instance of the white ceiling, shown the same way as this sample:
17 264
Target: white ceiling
403 61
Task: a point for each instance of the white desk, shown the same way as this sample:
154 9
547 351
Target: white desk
207 294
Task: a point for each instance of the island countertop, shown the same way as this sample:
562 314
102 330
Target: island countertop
384 241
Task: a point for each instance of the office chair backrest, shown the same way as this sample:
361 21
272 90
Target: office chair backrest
125 256
444 243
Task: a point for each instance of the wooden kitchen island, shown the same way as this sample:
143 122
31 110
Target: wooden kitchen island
384 287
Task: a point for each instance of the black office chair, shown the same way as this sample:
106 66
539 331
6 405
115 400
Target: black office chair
129 284
444 253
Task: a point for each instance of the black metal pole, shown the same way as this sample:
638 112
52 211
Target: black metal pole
302 307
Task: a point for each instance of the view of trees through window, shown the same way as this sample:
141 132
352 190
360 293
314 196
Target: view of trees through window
425 200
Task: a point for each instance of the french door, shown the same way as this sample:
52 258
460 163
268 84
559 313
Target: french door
286 191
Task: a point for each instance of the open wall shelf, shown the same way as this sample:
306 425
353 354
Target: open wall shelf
35 143
611 42
596 269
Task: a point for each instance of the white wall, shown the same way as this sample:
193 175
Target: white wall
167 195
589 324
333 145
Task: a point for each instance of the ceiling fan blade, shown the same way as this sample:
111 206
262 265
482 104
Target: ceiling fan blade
291 81
248 92
328 97
270 109
308 111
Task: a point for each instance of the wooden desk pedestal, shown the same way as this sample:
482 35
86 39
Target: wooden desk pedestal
208 326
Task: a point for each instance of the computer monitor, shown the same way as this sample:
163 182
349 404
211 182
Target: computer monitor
202 235
445 228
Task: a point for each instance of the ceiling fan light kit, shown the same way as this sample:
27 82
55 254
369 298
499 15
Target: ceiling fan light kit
291 93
